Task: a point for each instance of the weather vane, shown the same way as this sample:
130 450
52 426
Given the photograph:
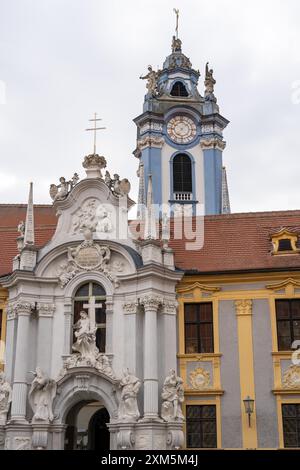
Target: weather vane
176 11
95 129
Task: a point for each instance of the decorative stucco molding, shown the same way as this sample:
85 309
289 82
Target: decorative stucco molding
291 377
243 307
198 285
45 309
200 379
88 256
150 141
169 307
130 307
151 302
19 308
283 284
213 143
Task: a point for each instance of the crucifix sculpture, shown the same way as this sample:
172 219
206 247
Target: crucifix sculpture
95 129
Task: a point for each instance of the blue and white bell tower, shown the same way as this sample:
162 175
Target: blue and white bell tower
180 139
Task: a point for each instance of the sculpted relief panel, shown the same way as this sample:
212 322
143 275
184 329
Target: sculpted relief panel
95 216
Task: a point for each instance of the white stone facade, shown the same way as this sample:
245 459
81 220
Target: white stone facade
140 328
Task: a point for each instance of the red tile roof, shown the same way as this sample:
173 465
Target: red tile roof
10 215
233 242
236 242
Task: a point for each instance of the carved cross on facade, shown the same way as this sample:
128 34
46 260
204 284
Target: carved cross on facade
95 129
91 306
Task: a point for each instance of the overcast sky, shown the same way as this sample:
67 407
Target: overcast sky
62 60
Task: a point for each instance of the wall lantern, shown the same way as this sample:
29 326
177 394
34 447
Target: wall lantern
249 407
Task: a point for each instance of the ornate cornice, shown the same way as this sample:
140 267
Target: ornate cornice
243 307
46 309
212 143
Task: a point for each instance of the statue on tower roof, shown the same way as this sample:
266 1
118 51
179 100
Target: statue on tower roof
209 83
152 77
176 44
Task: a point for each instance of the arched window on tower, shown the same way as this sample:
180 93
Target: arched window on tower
182 177
179 89
91 297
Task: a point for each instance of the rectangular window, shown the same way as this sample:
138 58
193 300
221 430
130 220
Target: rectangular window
291 425
201 426
288 323
198 323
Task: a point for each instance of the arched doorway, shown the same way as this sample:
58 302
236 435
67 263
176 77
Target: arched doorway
87 427
98 435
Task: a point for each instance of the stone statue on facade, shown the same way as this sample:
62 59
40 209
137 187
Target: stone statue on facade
128 407
151 78
173 397
209 84
41 395
5 398
85 334
117 186
59 192
21 228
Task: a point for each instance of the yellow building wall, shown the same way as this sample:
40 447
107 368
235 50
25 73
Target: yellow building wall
210 288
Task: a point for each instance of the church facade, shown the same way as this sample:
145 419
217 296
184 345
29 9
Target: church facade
177 330
83 317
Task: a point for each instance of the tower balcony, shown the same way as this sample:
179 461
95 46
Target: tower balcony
183 196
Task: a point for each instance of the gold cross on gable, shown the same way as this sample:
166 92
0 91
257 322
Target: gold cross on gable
95 129
176 11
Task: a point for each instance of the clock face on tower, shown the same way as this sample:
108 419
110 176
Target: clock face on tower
181 129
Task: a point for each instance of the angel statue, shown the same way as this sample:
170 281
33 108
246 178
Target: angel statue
60 191
41 395
173 397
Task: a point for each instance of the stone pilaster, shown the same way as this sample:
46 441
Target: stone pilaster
130 309
109 326
168 312
19 396
151 304
67 328
11 333
45 314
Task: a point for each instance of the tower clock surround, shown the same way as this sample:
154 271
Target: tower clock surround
181 129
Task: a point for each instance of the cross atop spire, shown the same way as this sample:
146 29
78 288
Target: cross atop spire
95 129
